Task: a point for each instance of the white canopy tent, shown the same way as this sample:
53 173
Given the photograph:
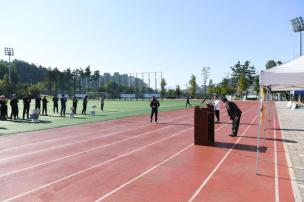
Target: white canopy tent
286 77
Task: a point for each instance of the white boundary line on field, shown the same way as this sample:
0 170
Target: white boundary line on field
203 184
294 185
92 167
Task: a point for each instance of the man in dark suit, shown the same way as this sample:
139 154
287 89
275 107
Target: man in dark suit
154 109
235 114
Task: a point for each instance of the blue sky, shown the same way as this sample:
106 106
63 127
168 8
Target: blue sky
173 36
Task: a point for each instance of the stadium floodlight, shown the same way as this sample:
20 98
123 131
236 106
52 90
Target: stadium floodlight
9 52
298 26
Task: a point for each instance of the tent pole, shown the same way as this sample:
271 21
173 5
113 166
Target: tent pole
267 115
258 137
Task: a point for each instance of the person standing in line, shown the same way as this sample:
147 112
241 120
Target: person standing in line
3 108
44 106
55 102
154 104
235 114
75 101
188 101
63 101
26 106
14 107
38 103
102 102
84 105
217 108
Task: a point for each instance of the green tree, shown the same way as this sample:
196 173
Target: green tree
178 91
211 87
163 84
246 71
241 85
271 63
192 85
205 74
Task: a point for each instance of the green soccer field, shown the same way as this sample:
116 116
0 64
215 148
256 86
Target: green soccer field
112 110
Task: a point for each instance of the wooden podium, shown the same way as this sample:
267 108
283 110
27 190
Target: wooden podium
204 125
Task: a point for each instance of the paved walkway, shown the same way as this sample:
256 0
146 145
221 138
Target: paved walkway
292 125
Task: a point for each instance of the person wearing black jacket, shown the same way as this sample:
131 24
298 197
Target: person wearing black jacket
38 103
84 105
44 106
26 106
14 107
235 114
75 101
3 108
55 101
63 101
154 109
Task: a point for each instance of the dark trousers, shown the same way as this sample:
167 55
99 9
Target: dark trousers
14 113
62 111
235 125
26 110
84 109
188 103
154 112
44 110
74 108
55 108
217 115
101 106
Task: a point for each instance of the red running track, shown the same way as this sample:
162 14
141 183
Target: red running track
130 159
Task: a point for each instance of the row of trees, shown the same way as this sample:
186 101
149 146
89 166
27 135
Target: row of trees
243 77
37 79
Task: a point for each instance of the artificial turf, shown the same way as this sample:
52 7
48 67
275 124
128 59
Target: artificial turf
112 110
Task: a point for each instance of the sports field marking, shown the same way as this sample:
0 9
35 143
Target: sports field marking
82 152
220 163
144 173
98 165
294 185
147 171
72 143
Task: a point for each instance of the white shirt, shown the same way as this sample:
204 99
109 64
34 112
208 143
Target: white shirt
217 105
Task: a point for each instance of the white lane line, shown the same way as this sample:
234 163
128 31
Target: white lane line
65 145
276 179
294 185
85 151
72 143
147 171
144 173
95 166
219 164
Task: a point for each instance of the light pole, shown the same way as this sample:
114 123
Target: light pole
9 52
298 26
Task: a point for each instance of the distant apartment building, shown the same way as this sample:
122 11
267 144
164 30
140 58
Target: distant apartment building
122 80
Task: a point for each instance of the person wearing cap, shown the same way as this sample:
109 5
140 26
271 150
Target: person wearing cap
235 114
14 106
154 104
26 106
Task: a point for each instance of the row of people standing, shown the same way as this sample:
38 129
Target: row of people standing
27 101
